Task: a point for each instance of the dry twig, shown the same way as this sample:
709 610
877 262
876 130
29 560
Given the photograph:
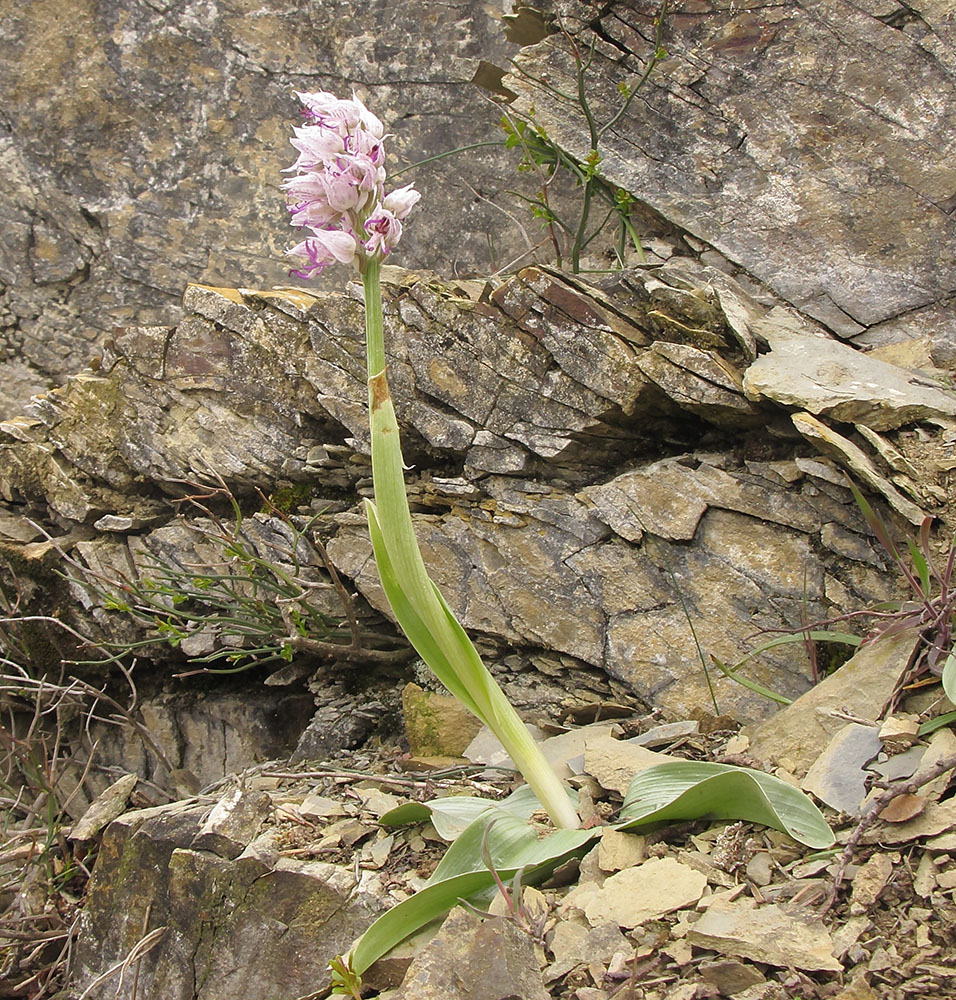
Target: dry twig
905 786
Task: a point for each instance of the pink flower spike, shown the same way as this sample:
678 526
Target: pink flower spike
401 201
337 185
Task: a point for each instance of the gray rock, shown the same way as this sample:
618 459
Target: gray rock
833 188
701 383
638 895
857 462
731 977
835 381
772 934
109 804
205 738
862 687
482 959
232 823
108 214
838 776
600 551
234 929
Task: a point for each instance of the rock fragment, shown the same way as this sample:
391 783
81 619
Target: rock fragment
769 933
109 804
832 380
838 776
487 959
636 895
861 687
232 823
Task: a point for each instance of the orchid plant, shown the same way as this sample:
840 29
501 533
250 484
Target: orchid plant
337 193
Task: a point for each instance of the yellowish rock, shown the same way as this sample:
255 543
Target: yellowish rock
436 725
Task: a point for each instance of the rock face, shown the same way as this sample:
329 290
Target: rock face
141 146
616 481
766 135
545 509
141 149
209 926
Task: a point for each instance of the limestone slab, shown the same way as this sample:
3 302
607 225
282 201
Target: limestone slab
862 687
638 894
768 934
833 380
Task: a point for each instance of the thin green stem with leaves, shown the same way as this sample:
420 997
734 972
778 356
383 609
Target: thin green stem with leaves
418 606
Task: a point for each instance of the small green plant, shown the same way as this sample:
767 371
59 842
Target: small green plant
542 155
253 603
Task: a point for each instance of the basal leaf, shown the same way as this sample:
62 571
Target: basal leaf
513 844
949 677
453 814
407 812
933 724
683 790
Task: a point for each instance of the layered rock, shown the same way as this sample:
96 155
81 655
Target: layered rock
766 135
198 920
574 498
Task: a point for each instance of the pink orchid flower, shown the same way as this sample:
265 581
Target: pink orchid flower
337 187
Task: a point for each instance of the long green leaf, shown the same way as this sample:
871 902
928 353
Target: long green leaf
933 724
764 692
817 635
412 914
512 843
514 846
453 814
682 790
410 622
873 521
676 790
920 565
455 662
949 677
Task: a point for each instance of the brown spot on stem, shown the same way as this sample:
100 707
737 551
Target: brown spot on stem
378 387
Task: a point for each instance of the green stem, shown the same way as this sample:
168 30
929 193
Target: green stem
434 632
582 227
448 152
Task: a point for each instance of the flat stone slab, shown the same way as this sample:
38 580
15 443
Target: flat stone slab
768 934
838 776
474 958
830 379
636 895
861 687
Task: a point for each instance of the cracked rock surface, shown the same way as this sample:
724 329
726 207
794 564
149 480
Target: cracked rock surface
766 134
141 146
567 505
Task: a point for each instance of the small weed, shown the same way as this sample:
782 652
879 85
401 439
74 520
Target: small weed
547 159
255 600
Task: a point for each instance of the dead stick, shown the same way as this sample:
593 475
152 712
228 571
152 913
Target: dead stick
906 786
